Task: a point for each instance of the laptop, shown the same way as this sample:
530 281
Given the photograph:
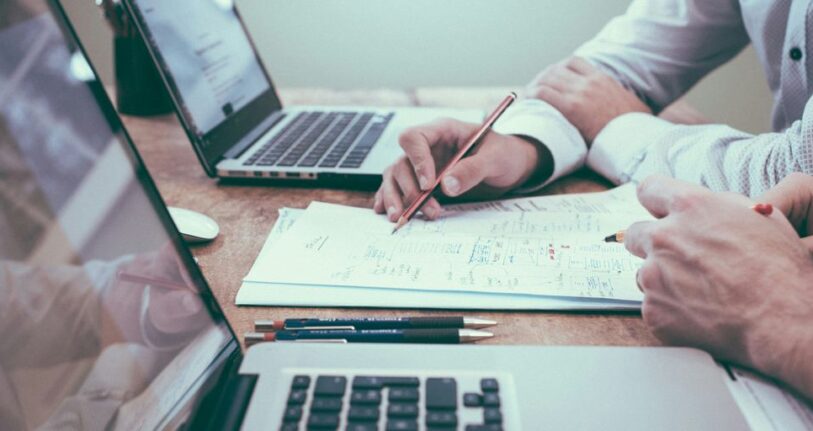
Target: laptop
107 323
226 102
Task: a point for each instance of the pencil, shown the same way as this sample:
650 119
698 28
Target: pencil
138 279
465 150
764 209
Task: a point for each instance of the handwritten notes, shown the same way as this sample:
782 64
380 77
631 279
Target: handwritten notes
524 252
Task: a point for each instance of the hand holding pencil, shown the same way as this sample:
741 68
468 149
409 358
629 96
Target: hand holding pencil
498 163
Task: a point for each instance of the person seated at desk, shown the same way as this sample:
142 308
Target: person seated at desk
597 108
723 278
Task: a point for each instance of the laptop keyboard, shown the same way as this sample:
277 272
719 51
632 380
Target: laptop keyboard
388 403
326 139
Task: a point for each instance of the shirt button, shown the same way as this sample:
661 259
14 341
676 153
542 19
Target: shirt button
795 54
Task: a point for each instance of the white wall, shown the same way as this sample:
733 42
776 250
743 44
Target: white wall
409 43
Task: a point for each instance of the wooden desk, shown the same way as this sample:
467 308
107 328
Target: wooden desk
246 215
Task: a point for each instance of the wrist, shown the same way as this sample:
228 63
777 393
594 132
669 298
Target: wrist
783 345
539 162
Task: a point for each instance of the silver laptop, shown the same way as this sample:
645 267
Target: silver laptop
107 323
227 103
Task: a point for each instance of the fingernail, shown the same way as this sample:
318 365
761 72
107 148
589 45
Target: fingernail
390 211
424 182
451 184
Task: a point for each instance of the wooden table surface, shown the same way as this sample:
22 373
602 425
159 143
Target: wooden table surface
247 213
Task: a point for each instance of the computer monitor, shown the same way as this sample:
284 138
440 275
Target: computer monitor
105 320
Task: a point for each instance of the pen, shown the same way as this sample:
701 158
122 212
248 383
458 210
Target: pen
459 322
138 279
764 209
473 140
433 336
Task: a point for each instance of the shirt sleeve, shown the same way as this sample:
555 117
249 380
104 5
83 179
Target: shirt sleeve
535 119
661 48
719 157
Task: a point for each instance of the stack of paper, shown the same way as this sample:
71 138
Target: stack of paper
530 253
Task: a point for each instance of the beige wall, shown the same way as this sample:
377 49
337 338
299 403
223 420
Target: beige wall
407 43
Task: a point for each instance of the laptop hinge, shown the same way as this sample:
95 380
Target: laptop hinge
224 406
239 148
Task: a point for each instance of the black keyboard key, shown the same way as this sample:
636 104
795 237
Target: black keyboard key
323 421
402 410
491 399
402 425
362 414
368 397
362 426
403 395
297 397
441 419
326 404
489 385
441 394
301 382
472 400
289 427
292 414
492 416
487 427
330 386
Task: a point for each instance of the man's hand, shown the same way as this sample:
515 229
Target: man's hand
499 164
721 277
794 197
588 98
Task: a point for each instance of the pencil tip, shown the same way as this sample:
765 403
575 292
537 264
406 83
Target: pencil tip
611 238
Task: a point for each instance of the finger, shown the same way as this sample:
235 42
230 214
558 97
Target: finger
562 79
552 96
378 204
432 209
580 66
466 174
793 196
661 195
637 238
405 178
392 199
417 144
649 277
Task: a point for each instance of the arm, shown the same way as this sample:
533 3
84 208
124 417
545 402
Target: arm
718 157
660 48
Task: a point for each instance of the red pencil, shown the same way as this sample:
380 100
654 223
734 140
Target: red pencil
473 140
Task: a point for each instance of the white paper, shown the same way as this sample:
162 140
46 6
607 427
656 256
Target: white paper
531 253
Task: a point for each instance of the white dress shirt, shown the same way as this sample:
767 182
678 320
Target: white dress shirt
659 49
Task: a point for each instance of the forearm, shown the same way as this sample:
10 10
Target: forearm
660 48
634 146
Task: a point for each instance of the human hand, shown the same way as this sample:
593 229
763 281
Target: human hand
587 97
793 196
147 311
499 163
723 278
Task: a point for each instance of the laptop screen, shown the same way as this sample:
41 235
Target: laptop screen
105 321
206 57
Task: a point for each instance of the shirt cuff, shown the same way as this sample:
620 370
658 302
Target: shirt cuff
621 146
536 119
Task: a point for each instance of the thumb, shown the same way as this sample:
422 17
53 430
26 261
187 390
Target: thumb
466 174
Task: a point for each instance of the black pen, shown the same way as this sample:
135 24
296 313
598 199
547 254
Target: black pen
459 322
432 336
